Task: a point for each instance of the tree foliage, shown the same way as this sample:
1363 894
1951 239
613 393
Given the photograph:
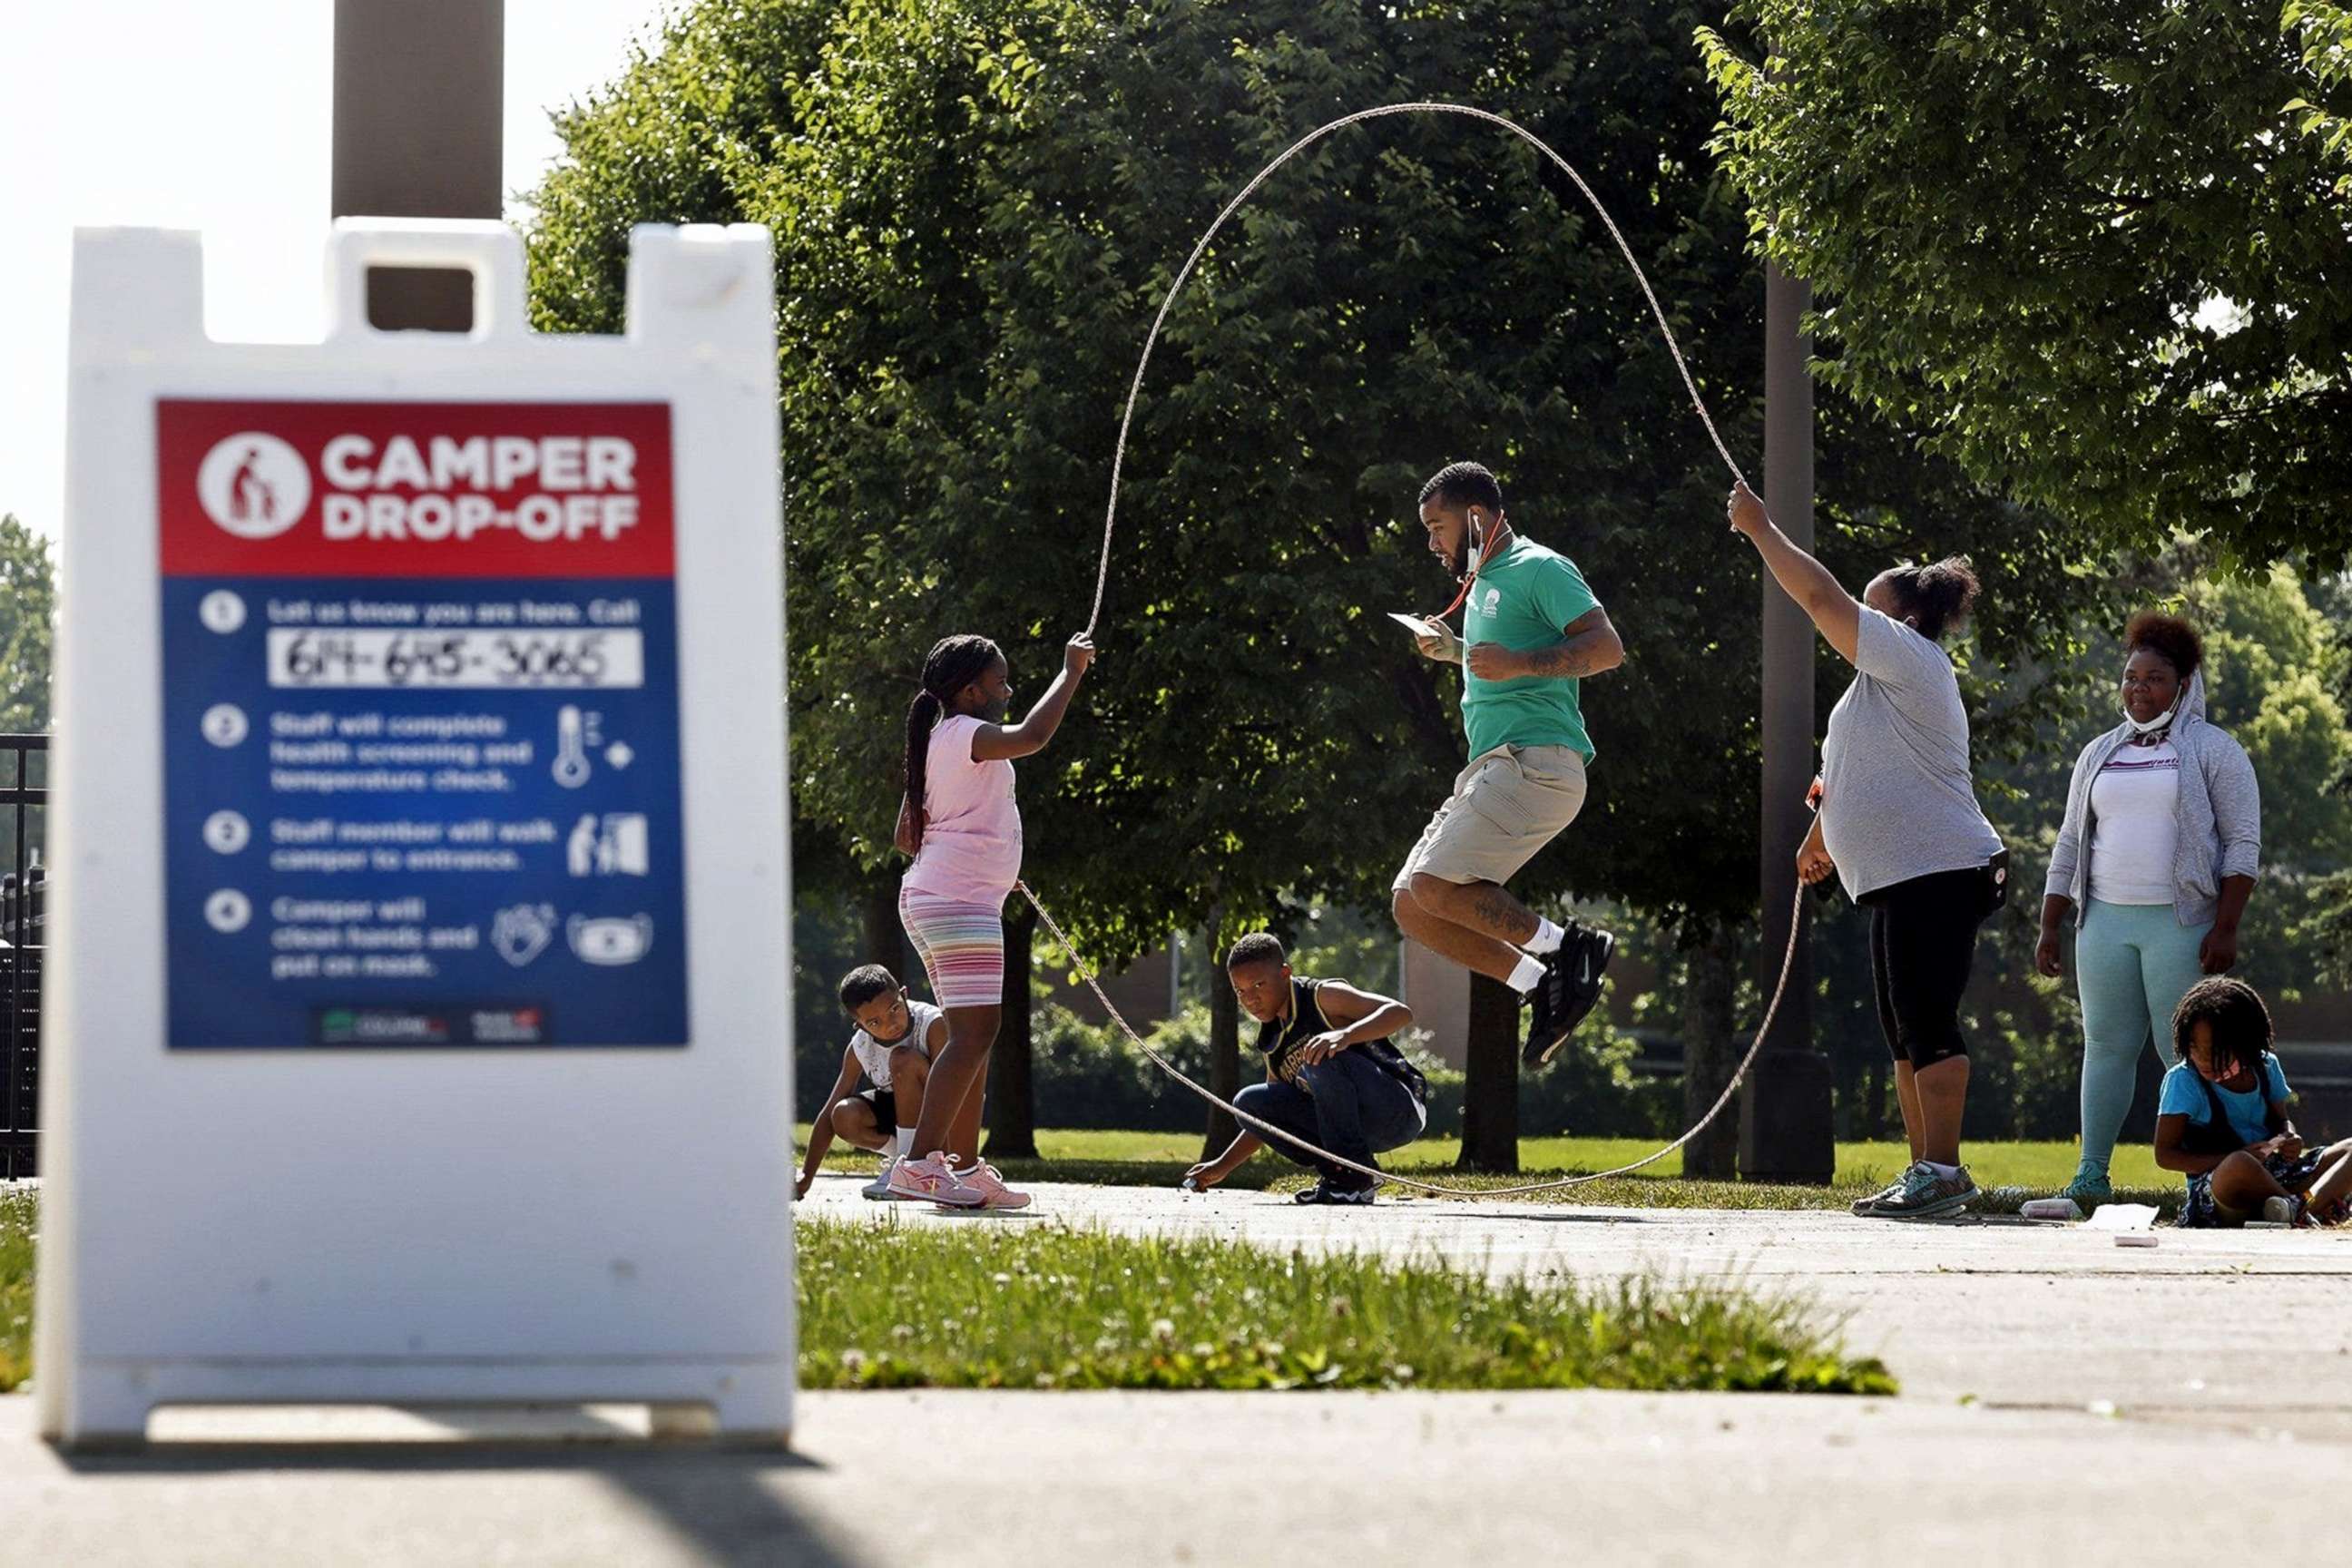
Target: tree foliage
2094 253
29 601
977 206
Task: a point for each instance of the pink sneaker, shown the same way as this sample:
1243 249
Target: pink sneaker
932 1177
989 1183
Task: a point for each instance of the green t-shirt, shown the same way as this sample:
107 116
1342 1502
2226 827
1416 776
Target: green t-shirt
1524 598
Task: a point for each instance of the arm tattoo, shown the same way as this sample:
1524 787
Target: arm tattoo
1576 655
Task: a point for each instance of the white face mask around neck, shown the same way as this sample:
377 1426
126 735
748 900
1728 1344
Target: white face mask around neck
2157 725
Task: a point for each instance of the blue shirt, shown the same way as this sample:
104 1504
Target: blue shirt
2184 1095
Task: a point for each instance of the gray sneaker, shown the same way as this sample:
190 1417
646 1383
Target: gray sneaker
1926 1195
1866 1206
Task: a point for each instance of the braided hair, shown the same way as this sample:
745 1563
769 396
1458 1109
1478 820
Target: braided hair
954 663
1938 596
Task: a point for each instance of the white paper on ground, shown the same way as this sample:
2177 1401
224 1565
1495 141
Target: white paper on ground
2122 1216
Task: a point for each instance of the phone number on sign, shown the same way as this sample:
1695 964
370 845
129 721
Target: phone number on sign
595 661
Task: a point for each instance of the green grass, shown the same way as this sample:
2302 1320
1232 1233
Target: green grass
19 1218
1028 1305
1025 1305
2008 1172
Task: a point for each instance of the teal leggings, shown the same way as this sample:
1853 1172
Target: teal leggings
2134 962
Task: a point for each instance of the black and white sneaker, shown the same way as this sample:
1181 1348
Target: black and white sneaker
1325 1191
1573 979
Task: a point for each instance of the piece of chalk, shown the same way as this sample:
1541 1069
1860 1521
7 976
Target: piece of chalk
2134 1238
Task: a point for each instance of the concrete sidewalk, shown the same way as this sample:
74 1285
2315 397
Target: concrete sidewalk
2065 1401
1080 1480
2005 1312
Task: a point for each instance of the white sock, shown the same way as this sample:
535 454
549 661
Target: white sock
1946 1171
1547 939
1526 976
905 1142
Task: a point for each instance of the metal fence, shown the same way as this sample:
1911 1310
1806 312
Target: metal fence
24 941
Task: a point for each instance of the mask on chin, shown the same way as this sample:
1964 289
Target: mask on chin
2157 725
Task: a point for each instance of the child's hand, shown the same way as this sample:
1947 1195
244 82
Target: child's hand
1203 1176
1078 656
801 1187
1322 1048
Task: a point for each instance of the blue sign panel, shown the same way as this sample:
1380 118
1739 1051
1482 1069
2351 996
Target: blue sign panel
421 810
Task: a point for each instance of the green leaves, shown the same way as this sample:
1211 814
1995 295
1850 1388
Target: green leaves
28 600
977 205
2095 253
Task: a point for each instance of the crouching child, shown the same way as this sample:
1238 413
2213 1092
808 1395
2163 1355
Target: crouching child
1333 1075
892 1049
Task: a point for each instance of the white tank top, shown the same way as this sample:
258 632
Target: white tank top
874 1054
2135 816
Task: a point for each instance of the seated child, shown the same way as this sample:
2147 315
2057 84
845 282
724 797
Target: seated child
2222 1120
893 1048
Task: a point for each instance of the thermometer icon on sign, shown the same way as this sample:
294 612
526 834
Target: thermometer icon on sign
571 748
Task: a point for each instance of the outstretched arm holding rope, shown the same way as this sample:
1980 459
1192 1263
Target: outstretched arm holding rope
1814 587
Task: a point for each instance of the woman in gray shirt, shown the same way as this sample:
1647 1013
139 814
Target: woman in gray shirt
1900 828
2153 867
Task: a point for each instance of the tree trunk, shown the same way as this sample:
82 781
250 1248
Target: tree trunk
1011 1093
881 938
1225 1044
1490 1087
1710 1050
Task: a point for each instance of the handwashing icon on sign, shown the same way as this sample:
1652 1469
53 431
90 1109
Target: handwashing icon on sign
521 932
571 747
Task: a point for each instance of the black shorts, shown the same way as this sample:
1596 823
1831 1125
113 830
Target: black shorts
1923 942
886 1107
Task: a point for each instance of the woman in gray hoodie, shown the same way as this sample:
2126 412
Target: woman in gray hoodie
2157 855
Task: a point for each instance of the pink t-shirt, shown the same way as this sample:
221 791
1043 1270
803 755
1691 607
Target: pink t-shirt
972 830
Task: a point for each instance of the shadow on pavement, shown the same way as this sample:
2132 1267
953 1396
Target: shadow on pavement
723 1502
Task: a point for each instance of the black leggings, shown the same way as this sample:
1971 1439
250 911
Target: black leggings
1923 942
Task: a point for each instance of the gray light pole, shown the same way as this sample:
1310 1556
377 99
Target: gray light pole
1786 1129
419 90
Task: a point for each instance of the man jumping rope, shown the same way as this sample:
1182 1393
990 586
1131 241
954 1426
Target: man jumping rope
1531 630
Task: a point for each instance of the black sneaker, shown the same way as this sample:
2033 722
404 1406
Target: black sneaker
1325 1192
1572 978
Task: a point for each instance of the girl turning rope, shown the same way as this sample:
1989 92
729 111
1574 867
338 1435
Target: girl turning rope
959 821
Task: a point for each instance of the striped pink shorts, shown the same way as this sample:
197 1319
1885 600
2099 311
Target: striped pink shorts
961 946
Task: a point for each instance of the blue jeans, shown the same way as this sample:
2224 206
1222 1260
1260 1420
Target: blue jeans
1346 1105
2132 964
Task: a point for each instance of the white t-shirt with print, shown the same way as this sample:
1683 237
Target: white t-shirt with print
874 1054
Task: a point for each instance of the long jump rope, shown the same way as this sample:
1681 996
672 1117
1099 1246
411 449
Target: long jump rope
1102 579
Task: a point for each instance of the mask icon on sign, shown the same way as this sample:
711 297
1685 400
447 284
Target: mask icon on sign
611 939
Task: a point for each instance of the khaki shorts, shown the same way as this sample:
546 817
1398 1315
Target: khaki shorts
1506 805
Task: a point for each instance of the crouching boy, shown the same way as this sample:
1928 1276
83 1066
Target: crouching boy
893 1048
1333 1076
